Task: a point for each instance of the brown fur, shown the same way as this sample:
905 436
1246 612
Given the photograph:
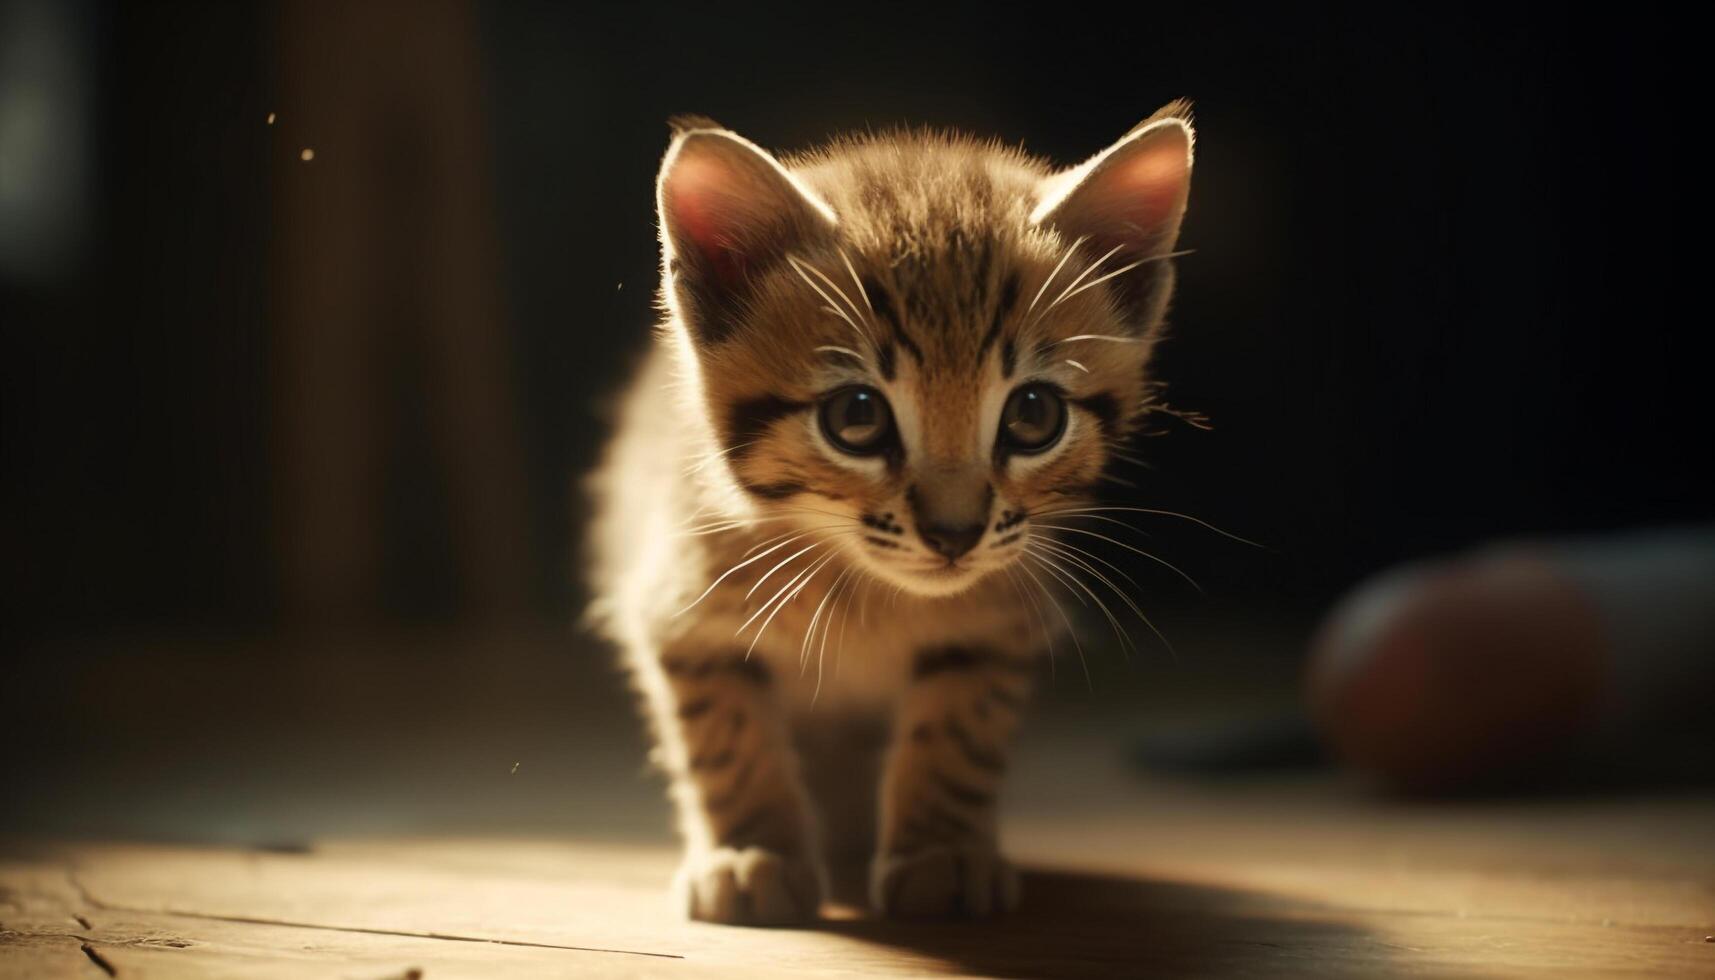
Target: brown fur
944 272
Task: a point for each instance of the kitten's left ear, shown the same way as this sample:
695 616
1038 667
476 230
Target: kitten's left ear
1129 199
728 211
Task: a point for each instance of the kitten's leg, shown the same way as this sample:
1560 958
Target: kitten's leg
937 851
749 854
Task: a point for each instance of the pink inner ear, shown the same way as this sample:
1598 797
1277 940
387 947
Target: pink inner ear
699 202
1134 197
1149 186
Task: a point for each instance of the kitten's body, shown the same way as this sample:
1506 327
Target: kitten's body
777 590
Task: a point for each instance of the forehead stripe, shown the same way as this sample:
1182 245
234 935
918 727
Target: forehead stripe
882 300
1008 299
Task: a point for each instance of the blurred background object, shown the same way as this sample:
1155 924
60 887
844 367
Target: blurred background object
311 312
1528 665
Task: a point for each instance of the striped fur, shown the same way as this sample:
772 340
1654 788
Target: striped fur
764 583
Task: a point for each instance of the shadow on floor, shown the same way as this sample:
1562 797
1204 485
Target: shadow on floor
1075 924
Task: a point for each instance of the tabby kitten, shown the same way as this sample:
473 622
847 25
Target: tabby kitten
882 364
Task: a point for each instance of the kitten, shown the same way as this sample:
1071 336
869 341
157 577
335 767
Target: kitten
882 365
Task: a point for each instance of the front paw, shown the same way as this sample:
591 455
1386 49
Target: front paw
749 887
969 880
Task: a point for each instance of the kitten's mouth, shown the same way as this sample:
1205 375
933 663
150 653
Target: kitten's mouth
940 579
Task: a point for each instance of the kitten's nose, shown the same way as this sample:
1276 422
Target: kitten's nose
951 541
950 507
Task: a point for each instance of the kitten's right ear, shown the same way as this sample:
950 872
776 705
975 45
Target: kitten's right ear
728 210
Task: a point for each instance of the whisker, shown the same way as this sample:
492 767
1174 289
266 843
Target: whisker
846 617
771 599
740 565
1072 553
1128 458
1155 558
836 349
784 561
1163 513
1077 365
797 262
1097 336
822 651
1121 271
705 459
810 629
1119 631
1035 615
831 307
1051 275
1093 266
812 570
1076 644
1049 542
835 287
857 282
1057 574
1124 597
764 543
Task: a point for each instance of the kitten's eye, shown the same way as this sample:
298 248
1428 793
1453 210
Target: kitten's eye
1033 420
857 420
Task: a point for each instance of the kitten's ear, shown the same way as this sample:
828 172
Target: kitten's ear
728 210
1129 199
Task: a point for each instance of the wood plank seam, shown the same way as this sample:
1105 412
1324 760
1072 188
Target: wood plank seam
96 903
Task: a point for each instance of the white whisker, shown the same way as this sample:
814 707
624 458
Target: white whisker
1115 541
1073 285
784 561
822 650
1127 644
740 565
1119 592
1076 645
1121 271
1082 558
1052 274
811 574
846 617
1097 336
1035 615
1152 510
810 629
857 282
799 265
831 307
835 348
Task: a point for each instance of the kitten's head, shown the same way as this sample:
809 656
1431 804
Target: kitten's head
912 345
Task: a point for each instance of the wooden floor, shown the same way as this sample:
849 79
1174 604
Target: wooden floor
1212 888
529 841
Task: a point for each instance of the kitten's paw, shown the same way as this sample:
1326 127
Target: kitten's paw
749 887
970 880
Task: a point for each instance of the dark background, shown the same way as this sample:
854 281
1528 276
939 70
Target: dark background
1444 286
1445 289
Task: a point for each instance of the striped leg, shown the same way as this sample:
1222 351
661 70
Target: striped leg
937 850
749 856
